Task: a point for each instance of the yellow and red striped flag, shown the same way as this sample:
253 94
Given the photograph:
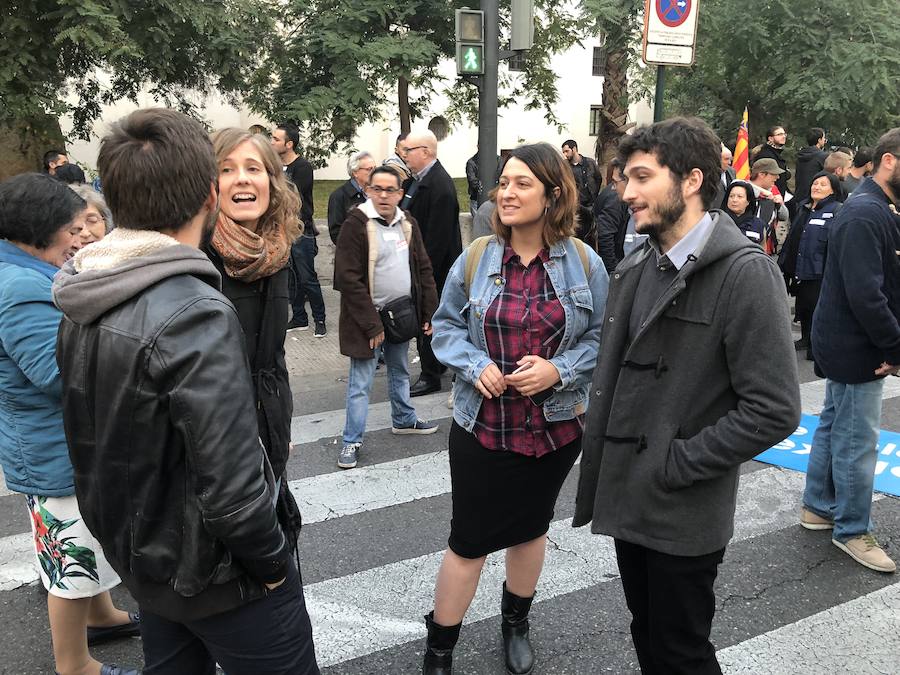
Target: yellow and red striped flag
742 150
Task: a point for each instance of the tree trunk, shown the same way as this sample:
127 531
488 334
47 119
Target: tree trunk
24 142
615 108
403 104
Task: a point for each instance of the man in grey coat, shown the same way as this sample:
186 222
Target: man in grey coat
682 393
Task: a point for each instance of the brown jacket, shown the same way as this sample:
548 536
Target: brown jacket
359 320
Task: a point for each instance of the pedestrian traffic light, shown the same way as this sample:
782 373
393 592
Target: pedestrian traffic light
469 59
469 42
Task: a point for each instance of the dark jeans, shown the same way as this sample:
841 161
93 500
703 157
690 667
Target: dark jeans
672 603
807 299
304 282
264 637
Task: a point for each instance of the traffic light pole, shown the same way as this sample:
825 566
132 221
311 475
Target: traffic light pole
487 101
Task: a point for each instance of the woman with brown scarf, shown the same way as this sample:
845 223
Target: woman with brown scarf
250 246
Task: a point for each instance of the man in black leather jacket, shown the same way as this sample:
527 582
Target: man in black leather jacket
158 408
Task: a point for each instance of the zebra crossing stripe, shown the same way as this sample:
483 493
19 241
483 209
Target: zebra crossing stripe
853 637
315 426
380 608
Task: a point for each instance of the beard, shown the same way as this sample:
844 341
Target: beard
894 182
668 212
209 227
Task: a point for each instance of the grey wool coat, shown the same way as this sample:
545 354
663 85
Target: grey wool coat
709 381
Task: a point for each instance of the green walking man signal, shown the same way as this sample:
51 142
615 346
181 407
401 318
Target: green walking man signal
469 59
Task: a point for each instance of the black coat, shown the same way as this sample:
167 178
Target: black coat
300 173
262 309
436 210
169 477
610 223
339 204
810 161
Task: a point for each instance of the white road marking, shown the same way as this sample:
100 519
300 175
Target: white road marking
379 608
859 636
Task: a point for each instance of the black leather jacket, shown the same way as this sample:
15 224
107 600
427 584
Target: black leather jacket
170 474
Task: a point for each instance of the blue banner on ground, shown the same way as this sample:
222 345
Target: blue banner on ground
793 453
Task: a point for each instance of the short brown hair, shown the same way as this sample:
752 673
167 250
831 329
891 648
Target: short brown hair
837 160
549 167
284 201
156 166
889 143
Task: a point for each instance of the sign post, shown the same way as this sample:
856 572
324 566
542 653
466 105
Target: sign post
670 38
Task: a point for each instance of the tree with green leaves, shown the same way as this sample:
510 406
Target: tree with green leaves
833 65
618 21
102 51
341 64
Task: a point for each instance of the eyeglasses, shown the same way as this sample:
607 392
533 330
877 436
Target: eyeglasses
376 190
415 147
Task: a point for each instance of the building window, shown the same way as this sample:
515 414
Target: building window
516 62
599 58
596 120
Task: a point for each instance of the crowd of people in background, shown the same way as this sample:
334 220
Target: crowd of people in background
576 304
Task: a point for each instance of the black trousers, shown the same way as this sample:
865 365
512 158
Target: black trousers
269 636
672 604
432 369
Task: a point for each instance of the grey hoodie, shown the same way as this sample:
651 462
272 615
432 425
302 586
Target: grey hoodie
115 271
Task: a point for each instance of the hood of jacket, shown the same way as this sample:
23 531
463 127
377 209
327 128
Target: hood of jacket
809 153
124 263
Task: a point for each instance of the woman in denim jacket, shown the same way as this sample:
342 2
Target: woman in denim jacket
521 329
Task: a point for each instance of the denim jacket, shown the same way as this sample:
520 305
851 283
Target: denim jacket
459 339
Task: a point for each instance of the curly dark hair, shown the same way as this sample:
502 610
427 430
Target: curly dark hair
680 144
34 207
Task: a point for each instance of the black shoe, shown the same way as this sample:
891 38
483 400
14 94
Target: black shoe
98 635
439 647
424 386
298 324
321 331
516 645
801 344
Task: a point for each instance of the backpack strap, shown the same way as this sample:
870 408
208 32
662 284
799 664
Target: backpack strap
473 257
582 253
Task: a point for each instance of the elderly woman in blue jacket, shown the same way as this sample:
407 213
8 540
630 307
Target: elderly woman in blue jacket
41 221
519 324
802 259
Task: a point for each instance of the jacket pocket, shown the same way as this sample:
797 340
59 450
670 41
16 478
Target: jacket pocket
154 549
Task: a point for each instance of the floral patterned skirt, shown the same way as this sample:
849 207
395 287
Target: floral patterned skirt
70 560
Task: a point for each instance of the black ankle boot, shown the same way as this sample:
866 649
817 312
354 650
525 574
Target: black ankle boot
439 647
516 646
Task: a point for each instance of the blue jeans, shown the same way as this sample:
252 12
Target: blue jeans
266 636
841 468
359 385
304 281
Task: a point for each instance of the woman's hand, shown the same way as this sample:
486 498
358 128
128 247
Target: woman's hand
540 375
491 383
376 341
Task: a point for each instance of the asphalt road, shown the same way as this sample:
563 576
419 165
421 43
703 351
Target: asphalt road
788 601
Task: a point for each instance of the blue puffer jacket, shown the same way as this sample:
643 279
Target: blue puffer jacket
33 450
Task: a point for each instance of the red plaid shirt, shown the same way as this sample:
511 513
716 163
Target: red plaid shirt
526 317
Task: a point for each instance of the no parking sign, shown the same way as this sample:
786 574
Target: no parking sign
670 31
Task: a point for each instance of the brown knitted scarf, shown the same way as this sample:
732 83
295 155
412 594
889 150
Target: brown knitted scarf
247 255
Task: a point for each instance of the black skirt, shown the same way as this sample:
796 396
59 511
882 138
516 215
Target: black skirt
501 499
